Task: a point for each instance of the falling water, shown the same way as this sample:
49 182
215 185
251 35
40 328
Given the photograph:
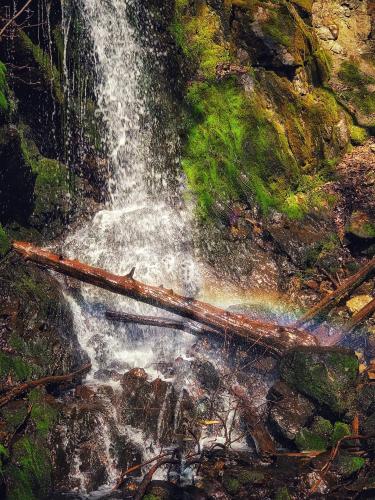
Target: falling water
139 227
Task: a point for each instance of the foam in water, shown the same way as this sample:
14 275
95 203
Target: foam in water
138 227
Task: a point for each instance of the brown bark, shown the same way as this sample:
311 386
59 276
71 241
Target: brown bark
350 284
21 389
274 338
264 443
175 324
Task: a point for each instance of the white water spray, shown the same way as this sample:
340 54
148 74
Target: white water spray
138 226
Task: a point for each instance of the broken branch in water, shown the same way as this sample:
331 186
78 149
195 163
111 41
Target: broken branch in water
20 389
186 326
134 468
148 477
275 338
332 299
332 456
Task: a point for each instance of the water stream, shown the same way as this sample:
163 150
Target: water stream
138 227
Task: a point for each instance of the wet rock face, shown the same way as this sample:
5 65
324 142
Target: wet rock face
36 323
87 444
326 375
16 179
148 405
290 412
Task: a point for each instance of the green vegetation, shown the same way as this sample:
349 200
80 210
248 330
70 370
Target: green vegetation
52 186
358 135
200 38
308 440
348 465
327 376
231 484
15 366
357 82
280 26
282 494
31 476
4 242
3 87
340 430
42 414
234 149
49 72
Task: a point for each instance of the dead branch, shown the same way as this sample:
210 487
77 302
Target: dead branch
332 456
148 477
330 300
264 443
11 21
276 339
134 468
186 326
21 389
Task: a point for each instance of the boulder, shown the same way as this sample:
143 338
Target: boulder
326 375
291 412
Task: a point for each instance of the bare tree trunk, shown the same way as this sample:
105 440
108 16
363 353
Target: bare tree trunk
274 338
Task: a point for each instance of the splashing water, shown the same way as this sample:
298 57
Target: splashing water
138 227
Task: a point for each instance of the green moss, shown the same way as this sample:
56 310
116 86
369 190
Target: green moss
31 477
231 484
42 414
150 496
251 476
280 26
306 440
200 37
340 430
348 465
235 150
322 427
358 135
282 494
52 183
4 105
324 64
4 242
357 91
4 455
328 376
49 72
15 366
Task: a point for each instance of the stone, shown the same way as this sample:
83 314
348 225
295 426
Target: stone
291 412
361 225
327 375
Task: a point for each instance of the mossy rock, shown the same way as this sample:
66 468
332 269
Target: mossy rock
39 324
4 104
4 242
361 225
347 465
53 189
358 93
306 440
326 375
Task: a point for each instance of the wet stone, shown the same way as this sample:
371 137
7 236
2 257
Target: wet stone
290 413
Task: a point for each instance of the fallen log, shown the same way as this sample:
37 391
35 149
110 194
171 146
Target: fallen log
360 316
20 389
332 299
274 338
175 324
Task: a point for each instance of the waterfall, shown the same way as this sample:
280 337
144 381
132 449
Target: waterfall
139 226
